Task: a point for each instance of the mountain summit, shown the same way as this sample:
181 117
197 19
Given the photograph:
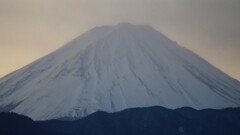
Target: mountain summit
111 68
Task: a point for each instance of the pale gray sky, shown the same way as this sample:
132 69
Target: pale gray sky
30 29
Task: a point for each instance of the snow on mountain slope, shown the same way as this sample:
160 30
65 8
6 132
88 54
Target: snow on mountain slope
112 68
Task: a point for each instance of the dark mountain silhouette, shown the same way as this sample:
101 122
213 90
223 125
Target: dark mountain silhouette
137 121
15 124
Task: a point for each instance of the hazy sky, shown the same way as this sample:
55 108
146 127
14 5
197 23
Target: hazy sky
30 29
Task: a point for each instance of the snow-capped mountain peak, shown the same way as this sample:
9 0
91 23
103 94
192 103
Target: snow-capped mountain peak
111 68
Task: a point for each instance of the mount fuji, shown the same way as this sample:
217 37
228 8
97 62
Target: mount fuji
112 68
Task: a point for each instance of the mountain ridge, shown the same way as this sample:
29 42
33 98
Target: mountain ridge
114 68
141 121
